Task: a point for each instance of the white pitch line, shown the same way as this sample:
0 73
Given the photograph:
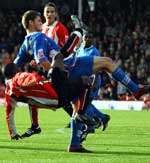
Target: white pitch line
60 130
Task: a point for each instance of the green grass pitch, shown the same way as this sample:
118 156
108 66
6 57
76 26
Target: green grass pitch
126 140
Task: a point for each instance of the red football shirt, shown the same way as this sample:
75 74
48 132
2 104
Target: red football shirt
57 32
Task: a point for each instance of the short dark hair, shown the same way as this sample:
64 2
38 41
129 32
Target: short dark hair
51 4
89 35
29 15
10 70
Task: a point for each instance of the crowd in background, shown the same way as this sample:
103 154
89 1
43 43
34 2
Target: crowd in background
122 35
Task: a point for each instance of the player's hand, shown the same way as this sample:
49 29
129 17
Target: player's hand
33 63
16 137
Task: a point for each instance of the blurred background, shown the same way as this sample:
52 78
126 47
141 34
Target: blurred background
121 30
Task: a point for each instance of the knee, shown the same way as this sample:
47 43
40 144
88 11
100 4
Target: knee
103 64
109 65
108 60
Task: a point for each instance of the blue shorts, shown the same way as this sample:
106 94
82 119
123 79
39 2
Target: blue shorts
79 66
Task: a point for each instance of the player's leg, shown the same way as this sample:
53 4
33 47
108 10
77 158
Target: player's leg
101 118
93 65
91 111
105 63
46 94
92 117
83 66
75 37
81 126
35 128
67 89
73 41
58 62
77 129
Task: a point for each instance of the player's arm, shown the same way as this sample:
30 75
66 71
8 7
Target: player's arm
21 56
95 52
10 104
46 65
40 50
62 35
40 53
10 110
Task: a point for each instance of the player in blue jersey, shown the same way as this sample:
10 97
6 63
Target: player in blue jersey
88 49
36 45
44 49
39 47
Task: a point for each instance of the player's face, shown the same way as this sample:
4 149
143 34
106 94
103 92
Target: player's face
37 23
88 40
50 14
6 59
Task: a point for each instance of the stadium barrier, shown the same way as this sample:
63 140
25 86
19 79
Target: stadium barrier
113 105
119 105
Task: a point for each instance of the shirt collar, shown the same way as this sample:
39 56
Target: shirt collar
32 33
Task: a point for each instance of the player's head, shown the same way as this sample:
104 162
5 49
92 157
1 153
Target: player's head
50 12
88 39
10 70
31 21
5 58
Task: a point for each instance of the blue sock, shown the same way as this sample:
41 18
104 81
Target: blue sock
92 111
76 132
120 75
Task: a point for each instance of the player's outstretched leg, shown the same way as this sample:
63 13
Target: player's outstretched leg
75 37
105 63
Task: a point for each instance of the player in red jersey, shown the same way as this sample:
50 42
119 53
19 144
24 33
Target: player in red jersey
28 88
53 28
36 91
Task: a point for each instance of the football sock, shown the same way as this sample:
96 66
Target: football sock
120 75
76 132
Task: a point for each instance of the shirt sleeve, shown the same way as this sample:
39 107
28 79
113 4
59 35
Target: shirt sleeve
96 52
21 56
44 48
62 35
39 50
